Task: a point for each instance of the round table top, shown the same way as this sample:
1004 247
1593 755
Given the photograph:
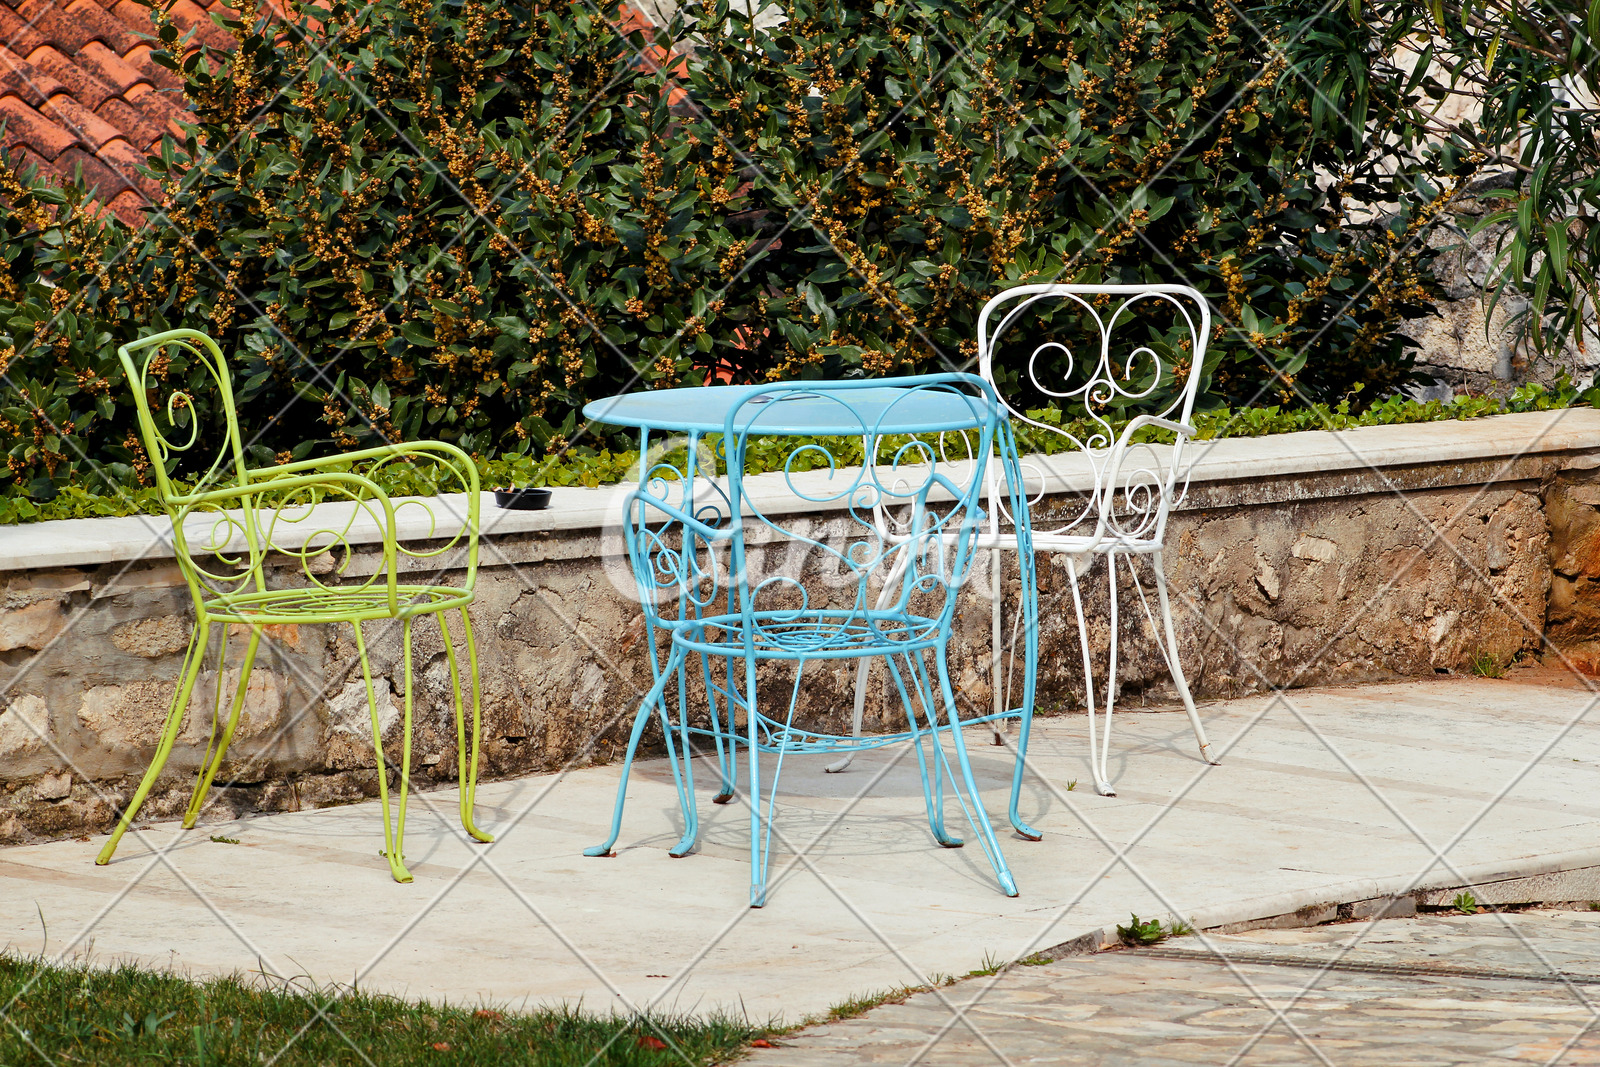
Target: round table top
877 409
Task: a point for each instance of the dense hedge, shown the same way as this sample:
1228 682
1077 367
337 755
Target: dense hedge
461 219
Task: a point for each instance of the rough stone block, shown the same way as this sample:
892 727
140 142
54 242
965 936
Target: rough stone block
1380 908
125 716
53 786
33 626
27 587
25 726
155 637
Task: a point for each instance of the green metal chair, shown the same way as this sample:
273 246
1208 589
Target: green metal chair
226 527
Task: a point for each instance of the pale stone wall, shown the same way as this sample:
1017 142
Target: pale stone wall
1296 580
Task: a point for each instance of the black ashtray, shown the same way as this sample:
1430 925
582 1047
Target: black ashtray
529 499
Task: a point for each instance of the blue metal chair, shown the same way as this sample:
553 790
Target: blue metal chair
700 557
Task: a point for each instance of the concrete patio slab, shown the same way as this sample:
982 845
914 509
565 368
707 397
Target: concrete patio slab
1324 797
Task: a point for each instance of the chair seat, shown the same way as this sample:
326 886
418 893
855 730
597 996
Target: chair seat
815 633
312 604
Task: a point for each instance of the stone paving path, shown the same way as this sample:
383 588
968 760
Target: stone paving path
1399 995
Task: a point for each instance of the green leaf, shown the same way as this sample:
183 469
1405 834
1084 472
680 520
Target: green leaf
412 331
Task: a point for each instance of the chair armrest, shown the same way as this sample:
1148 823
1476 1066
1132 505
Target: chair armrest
690 523
1139 422
1113 473
362 491
438 450
299 481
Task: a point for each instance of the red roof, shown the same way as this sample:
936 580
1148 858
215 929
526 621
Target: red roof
78 89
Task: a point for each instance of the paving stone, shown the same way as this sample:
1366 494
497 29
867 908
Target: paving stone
1144 1007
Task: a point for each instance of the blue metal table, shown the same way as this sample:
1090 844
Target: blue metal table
861 410
699 410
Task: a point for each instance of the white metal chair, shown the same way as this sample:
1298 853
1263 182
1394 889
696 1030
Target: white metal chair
1126 487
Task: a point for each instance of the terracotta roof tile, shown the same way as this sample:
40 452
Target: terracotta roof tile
160 105
106 180
19 76
126 206
69 77
140 127
91 130
133 15
188 15
139 59
127 158
15 30
105 25
25 126
78 89
70 32
22 157
108 68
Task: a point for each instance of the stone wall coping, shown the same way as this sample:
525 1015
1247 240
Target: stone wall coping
93 541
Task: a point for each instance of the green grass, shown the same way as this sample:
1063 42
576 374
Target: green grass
126 1016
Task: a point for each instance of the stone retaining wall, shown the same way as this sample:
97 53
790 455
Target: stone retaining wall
1285 580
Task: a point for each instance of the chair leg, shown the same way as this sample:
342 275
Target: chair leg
466 760
1027 621
886 596
391 842
1178 678
1101 787
169 734
1102 779
682 773
213 761
646 706
758 851
725 755
932 795
996 640
856 714
978 816
1022 828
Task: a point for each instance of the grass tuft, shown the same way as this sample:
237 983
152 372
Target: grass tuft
130 1017
854 1006
1487 665
1153 932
